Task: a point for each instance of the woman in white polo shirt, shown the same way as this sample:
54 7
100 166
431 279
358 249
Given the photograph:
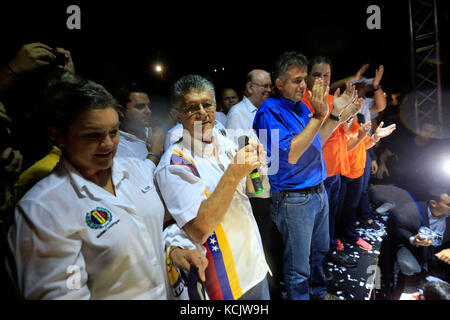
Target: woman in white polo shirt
92 229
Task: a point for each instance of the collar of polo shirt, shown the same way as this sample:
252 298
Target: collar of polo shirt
198 147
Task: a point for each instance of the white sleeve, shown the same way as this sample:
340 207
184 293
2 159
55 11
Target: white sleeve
174 236
182 192
47 260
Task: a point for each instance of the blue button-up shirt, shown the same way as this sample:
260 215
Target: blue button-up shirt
289 119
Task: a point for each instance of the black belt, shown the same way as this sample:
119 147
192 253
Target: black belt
305 190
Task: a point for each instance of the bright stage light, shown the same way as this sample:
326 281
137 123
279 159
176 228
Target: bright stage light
446 167
158 68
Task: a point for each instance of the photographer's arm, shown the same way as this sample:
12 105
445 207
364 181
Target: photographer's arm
28 58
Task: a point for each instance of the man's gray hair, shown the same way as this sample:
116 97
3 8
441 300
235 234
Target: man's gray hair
186 84
287 60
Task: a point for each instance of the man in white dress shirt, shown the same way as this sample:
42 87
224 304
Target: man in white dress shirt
137 138
257 89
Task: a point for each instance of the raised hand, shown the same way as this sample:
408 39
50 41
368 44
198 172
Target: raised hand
319 98
360 72
383 132
378 76
32 56
341 102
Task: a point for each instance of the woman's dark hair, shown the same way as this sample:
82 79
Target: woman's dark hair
68 95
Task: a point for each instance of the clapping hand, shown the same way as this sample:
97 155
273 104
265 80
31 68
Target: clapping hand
345 102
319 98
358 75
383 132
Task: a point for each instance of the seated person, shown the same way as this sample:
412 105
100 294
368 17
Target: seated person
414 253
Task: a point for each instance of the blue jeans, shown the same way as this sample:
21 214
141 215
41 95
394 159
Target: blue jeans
333 186
302 219
350 195
364 207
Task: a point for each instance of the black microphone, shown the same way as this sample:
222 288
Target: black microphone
254 175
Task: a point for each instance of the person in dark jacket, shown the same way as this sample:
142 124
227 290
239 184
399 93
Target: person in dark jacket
416 252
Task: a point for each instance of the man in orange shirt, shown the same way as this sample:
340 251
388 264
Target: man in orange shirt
335 157
352 181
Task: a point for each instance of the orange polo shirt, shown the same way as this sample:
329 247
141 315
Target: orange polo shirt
357 157
335 152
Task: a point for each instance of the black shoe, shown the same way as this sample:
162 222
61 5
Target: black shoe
340 258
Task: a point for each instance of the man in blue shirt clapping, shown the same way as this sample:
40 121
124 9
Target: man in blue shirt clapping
293 137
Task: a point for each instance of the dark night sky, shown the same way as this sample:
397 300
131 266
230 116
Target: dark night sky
121 39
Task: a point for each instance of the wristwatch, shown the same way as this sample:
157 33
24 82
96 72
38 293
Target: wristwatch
377 88
333 117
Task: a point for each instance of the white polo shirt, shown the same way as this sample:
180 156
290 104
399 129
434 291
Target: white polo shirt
74 240
186 178
131 146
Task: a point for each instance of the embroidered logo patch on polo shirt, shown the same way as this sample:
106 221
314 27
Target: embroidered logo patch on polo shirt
98 218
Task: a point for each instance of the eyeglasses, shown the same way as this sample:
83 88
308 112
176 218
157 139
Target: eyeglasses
266 86
195 109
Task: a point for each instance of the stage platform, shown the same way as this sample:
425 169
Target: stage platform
359 283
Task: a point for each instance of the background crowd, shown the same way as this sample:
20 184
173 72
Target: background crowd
337 152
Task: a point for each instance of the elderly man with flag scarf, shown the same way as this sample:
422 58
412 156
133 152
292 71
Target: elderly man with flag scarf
202 179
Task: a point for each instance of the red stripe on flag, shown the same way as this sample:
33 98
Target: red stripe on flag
212 282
